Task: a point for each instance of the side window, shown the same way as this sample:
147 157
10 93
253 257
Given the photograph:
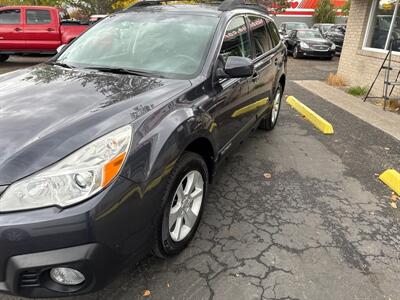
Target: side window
339 30
37 16
262 40
275 36
236 40
11 16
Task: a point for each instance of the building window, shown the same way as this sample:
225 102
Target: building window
383 25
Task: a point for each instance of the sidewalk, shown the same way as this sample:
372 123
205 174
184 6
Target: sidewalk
388 122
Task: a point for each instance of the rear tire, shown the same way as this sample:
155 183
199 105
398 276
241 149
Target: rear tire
269 121
4 57
182 205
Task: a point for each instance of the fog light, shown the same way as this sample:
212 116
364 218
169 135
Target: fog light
66 276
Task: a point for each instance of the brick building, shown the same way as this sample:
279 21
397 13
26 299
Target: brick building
370 27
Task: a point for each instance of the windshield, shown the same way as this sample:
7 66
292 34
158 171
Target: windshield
292 26
161 44
325 28
309 34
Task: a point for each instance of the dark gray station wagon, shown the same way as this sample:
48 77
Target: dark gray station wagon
108 149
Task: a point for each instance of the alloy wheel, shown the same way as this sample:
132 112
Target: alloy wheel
276 106
186 205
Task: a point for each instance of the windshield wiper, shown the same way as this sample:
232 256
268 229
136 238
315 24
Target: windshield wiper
61 64
122 71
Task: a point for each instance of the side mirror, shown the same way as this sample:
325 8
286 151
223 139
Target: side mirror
59 49
237 67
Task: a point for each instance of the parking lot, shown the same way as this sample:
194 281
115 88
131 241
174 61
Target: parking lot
18 62
293 214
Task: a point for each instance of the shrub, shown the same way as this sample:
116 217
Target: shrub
394 105
336 80
357 90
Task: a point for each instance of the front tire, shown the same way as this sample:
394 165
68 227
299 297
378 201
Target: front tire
183 204
296 54
268 122
4 57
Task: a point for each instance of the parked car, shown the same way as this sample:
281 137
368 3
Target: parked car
322 27
309 43
286 27
336 35
34 30
108 149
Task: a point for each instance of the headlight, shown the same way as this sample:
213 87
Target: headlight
74 178
304 45
333 46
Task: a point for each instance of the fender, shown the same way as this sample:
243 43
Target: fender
157 148
69 33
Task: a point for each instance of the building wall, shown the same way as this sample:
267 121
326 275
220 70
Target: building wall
359 67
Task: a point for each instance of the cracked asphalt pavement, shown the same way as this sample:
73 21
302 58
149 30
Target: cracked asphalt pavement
320 227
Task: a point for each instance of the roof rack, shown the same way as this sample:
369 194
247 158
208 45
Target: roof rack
225 5
235 4
143 3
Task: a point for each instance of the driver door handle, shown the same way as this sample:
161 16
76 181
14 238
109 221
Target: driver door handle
17 29
255 77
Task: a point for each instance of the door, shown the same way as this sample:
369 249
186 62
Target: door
11 30
232 95
291 43
41 29
262 83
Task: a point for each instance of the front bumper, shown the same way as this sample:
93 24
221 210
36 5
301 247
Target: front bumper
316 53
28 275
96 237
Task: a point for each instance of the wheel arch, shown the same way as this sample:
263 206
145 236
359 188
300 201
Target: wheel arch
282 81
203 147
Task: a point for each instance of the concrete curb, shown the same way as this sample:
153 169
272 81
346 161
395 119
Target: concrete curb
392 179
310 115
374 115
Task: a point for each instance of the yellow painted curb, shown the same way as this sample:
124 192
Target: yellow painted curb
310 115
392 179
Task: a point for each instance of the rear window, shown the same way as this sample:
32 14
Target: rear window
262 41
37 16
11 16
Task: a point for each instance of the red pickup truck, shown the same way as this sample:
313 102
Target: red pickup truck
34 29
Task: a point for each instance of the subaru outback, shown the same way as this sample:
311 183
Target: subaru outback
108 149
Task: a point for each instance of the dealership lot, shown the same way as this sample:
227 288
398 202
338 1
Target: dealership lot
292 214
18 62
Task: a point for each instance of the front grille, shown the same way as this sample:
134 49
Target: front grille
319 48
29 279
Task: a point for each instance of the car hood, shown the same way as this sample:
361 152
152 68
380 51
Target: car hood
317 41
47 112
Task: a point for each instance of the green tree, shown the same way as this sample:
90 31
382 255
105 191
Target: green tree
90 7
346 8
273 6
325 12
